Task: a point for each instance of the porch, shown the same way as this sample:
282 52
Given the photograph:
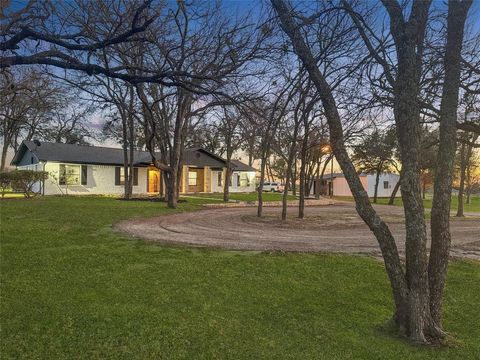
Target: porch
193 180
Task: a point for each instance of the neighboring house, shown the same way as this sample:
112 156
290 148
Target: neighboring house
83 170
386 184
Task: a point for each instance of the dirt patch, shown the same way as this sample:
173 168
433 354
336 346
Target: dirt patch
334 228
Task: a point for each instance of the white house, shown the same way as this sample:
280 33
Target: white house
83 170
387 182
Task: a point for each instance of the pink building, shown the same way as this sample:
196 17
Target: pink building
340 185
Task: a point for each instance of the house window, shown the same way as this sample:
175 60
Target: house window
238 179
69 175
192 178
244 180
120 176
219 178
386 185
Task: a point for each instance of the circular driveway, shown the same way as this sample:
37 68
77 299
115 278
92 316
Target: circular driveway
333 228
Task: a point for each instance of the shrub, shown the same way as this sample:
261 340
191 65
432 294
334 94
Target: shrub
4 182
21 181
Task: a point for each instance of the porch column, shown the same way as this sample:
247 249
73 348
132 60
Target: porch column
207 179
184 179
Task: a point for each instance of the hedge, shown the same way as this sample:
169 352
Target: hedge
21 181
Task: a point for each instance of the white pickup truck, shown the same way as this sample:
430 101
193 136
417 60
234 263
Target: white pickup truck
273 187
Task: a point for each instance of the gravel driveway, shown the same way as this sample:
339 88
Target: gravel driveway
333 228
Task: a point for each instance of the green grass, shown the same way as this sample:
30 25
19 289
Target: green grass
267 196
10 195
474 206
72 288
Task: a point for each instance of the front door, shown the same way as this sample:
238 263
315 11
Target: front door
153 185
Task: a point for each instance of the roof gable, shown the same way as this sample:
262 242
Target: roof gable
240 166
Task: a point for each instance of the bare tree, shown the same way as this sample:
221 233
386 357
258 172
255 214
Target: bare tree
229 130
440 222
417 291
266 116
27 98
69 32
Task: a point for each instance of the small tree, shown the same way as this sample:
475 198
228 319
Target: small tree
374 154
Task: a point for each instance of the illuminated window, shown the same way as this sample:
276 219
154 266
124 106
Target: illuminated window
243 179
69 175
192 178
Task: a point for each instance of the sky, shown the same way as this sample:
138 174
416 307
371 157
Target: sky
244 6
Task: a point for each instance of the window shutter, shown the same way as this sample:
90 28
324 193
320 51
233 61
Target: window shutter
117 175
84 174
135 176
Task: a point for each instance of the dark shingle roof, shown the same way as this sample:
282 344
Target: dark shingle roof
78 154
240 166
81 154
328 176
201 157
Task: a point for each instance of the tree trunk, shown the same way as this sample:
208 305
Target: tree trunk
377 180
126 172
327 161
469 182
288 173
364 208
4 154
440 221
125 146
303 155
394 193
461 188
131 140
407 115
317 180
285 192
260 186
228 175
171 178
294 177
424 187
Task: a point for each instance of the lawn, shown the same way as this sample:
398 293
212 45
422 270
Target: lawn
9 195
474 206
267 196
73 289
